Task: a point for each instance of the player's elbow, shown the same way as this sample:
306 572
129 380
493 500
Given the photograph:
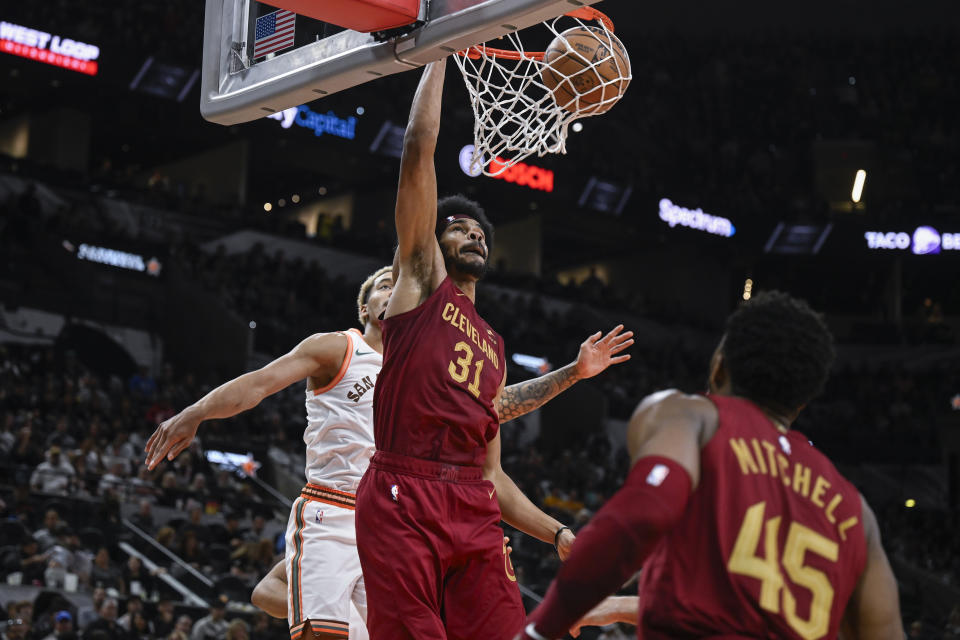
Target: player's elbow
261 599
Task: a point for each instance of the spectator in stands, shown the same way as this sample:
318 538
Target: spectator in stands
136 578
106 622
47 536
142 383
213 626
54 475
134 608
237 630
87 615
143 518
15 629
182 630
62 627
164 621
115 480
167 537
66 556
141 628
26 559
256 531
232 525
104 572
190 550
25 452
60 436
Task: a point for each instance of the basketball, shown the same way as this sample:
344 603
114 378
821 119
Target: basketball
586 69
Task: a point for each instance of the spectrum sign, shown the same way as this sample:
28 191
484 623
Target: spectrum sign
319 123
924 241
524 175
695 219
48 48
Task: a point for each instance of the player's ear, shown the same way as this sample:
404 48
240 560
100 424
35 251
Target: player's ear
364 314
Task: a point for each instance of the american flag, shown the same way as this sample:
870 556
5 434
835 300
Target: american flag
274 32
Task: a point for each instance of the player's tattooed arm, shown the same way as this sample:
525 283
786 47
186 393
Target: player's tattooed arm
596 354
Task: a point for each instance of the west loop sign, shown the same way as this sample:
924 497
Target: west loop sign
48 48
924 241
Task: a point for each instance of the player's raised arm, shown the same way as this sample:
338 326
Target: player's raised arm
874 608
596 354
418 255
319 356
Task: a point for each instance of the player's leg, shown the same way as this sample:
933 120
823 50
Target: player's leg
482 598
399 556
321 552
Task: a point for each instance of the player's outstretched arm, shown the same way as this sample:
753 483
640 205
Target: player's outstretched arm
319 356
874 608
517 510
270 594
596 354
664 443
418 258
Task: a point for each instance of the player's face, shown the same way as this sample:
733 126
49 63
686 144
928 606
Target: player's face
379 296
464 247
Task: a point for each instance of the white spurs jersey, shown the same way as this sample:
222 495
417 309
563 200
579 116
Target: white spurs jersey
339 433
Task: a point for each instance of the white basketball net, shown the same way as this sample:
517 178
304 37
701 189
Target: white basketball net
515 114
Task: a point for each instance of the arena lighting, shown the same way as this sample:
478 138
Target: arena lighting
295 198
695 219
48 48
267 206
858 181
577 127
925 241
531 363
910 503
747 289
522 174
319 123
115 258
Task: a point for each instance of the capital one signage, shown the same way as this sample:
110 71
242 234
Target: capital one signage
923 241
48 48
521 174
319 123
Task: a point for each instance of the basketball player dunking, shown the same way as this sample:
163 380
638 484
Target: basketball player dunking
743 528
429 507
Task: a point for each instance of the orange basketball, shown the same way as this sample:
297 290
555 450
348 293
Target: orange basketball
587 69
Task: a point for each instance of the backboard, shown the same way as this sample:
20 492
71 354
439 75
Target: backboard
320 59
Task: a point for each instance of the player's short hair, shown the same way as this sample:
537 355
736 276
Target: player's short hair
366 288
778 351
460 205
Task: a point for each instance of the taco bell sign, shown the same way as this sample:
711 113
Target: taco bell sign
924 241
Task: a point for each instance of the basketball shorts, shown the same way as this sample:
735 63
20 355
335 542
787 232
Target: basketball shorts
323 568
433 556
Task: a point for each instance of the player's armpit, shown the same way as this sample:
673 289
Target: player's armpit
873 612
270 594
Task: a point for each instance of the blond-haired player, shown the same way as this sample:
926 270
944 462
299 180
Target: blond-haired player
322 566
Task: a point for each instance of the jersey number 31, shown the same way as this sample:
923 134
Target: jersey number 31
460 370
800 540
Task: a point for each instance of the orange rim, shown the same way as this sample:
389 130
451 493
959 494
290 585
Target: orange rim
584 13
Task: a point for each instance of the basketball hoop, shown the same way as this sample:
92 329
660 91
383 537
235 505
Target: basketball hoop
516 113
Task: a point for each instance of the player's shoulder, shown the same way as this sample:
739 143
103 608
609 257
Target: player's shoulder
325 346
676 401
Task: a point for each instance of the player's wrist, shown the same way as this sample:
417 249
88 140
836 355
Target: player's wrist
557 534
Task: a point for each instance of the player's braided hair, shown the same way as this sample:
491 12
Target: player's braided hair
460 204
778 351
365 290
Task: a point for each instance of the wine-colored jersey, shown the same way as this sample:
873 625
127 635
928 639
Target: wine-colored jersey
442 368
771 544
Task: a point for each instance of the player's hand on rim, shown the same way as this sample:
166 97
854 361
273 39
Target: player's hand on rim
597 353
171 437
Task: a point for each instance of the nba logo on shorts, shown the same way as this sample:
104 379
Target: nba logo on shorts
320 516
395 493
